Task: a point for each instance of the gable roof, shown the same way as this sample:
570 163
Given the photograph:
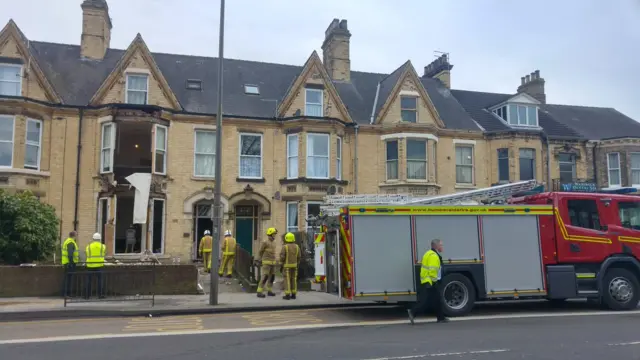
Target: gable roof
76 80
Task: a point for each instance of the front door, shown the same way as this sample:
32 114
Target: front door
246 226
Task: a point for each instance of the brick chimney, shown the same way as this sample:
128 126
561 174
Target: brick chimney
533 85
440 69
335 50
96 29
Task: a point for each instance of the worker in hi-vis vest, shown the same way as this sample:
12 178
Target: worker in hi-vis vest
267 260
95 251
228 250
206 245
290 260
70 259
430 275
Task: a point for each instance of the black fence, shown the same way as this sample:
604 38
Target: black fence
121 281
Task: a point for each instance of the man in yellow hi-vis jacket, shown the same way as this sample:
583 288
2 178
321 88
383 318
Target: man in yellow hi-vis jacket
228 250
206 245
430 275
290 259
267 260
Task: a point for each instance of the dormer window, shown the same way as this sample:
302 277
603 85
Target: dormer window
518 115
251 89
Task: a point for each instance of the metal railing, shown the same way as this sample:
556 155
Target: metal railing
128 280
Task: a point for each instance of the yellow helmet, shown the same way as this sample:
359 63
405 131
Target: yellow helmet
289 237
271 231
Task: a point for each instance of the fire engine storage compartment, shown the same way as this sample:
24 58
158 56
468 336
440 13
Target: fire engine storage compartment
382 258
512 255
458 233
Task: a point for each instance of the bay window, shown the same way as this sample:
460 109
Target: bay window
318 156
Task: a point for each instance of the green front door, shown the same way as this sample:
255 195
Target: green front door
244 233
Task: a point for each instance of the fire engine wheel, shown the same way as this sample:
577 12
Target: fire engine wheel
620 290
458 295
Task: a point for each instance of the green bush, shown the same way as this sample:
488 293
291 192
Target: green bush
28 228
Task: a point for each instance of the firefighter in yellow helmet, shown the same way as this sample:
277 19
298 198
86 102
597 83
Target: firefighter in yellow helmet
206 245
290 260
228 250
267 259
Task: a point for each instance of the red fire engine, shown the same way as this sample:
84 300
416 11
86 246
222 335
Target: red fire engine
556 246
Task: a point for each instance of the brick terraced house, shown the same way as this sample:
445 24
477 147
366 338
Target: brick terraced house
76 121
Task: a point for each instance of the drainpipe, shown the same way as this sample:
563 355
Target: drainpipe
545 139
355 160
595 163
75 213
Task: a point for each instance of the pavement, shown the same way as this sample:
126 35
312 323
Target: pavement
232 297
517 331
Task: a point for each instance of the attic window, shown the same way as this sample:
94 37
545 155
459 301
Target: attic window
193 84
518 115
251 89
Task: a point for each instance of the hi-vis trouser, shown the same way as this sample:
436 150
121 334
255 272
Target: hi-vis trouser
290 279
268 276
227 262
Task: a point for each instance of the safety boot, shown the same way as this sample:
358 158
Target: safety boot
286 297
293 296
271 293
229 276
261 295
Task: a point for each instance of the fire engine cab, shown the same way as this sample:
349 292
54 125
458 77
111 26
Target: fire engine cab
498 244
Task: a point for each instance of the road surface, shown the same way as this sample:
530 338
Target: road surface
524 332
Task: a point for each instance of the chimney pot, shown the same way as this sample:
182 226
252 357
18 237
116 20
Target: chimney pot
528 78
343 25
522 81
537 72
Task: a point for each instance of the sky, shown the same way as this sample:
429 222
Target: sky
588 51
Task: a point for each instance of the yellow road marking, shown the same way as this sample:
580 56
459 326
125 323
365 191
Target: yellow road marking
171 323
278 318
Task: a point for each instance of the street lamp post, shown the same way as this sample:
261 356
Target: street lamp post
217 206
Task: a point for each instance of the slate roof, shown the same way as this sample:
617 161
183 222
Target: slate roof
76 80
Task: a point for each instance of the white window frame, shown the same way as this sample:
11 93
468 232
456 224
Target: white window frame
28 143
472 166
146 92
339 158
111 147
518 120
20 76
164 226
308 228
290 157
240 135
195 153
632 169
387 161
407 160
288 226
307 90
328 157
156 149
13 138
610 169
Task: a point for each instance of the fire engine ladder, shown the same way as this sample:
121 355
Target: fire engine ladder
332 203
